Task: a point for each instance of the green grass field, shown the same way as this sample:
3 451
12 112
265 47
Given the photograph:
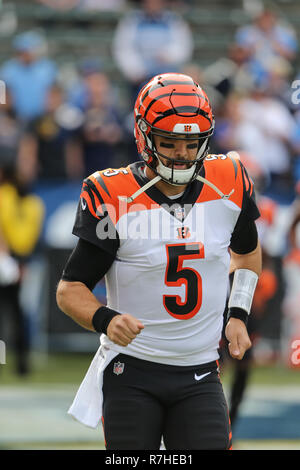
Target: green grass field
54 368
70 368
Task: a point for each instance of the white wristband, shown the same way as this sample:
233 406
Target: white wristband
243 288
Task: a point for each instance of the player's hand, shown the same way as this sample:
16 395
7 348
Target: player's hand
237 335
122 329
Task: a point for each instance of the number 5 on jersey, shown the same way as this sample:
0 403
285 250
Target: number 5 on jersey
177 275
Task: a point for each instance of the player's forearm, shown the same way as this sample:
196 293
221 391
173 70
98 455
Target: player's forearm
251 261
247 268
78 302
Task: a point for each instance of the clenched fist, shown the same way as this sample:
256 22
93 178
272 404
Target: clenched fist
237 335
122 329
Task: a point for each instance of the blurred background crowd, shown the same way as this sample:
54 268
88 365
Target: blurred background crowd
70 71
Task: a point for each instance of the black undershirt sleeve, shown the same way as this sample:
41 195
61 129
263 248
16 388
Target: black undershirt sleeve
88 264
244 237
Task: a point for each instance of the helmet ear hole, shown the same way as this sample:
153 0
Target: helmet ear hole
143 125
147 157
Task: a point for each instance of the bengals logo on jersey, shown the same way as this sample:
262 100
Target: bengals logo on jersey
183 232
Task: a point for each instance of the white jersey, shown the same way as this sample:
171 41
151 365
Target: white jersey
171 256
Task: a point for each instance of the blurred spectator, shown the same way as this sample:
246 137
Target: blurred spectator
10 133
21 217
266 38
60 4
194 70
279 74
101 130
232 73
268 127
200 76
29 75
101 5
92 5
79 92
291 303
48 150
8 19
262 126
296 147
150 41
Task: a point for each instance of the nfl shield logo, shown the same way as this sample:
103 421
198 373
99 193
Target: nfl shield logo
119 368
179 213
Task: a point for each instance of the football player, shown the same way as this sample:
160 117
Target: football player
165 232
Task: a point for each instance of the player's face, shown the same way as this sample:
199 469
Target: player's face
181 149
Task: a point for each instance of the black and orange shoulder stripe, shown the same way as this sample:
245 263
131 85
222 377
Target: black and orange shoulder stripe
247 182
91 199
102 191
224 173
97 196
227 173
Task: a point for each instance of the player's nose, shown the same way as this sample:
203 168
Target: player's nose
180 149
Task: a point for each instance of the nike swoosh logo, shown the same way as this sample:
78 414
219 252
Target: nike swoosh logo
199 377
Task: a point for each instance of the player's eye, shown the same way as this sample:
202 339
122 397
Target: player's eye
166 145
192 146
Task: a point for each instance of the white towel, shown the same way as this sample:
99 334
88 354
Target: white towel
87 404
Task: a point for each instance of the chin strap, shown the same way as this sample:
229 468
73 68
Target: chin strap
141 190
158 178
217 190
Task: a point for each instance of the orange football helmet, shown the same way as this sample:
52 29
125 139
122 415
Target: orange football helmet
172 105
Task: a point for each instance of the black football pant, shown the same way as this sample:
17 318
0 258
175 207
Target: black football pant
144 402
